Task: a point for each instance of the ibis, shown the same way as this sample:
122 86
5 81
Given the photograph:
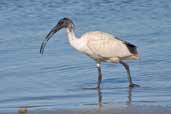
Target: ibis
100 46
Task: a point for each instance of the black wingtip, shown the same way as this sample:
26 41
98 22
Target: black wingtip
132 48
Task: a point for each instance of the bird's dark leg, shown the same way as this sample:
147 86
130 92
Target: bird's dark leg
126 66
99 75
99 99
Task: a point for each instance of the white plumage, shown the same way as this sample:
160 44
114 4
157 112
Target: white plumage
105 47
100 46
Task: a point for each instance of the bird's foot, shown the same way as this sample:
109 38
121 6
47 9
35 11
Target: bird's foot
98 87
133 85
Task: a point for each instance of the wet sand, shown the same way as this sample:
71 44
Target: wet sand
123 110
100 108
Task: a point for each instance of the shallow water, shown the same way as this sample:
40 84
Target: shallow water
64 78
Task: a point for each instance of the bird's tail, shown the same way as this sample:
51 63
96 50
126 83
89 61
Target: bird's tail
132 48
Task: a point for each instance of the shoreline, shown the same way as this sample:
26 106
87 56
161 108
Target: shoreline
110 110
132 109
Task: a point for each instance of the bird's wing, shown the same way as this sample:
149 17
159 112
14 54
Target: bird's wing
107 46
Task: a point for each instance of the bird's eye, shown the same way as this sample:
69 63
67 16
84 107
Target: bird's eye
61 23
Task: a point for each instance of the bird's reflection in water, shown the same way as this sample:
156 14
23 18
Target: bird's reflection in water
100 102
129 95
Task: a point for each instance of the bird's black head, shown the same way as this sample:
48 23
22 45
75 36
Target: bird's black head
63 23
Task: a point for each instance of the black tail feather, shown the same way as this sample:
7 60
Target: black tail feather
132 48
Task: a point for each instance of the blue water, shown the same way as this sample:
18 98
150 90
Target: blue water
64 78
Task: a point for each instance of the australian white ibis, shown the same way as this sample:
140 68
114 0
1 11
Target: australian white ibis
100 46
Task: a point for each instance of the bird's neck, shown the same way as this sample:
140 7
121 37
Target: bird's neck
73 40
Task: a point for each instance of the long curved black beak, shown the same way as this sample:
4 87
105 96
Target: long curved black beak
50 34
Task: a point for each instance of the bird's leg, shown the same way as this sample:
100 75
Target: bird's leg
99 75
99 99
126 66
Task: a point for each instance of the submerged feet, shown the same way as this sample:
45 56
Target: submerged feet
130 86
133 85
